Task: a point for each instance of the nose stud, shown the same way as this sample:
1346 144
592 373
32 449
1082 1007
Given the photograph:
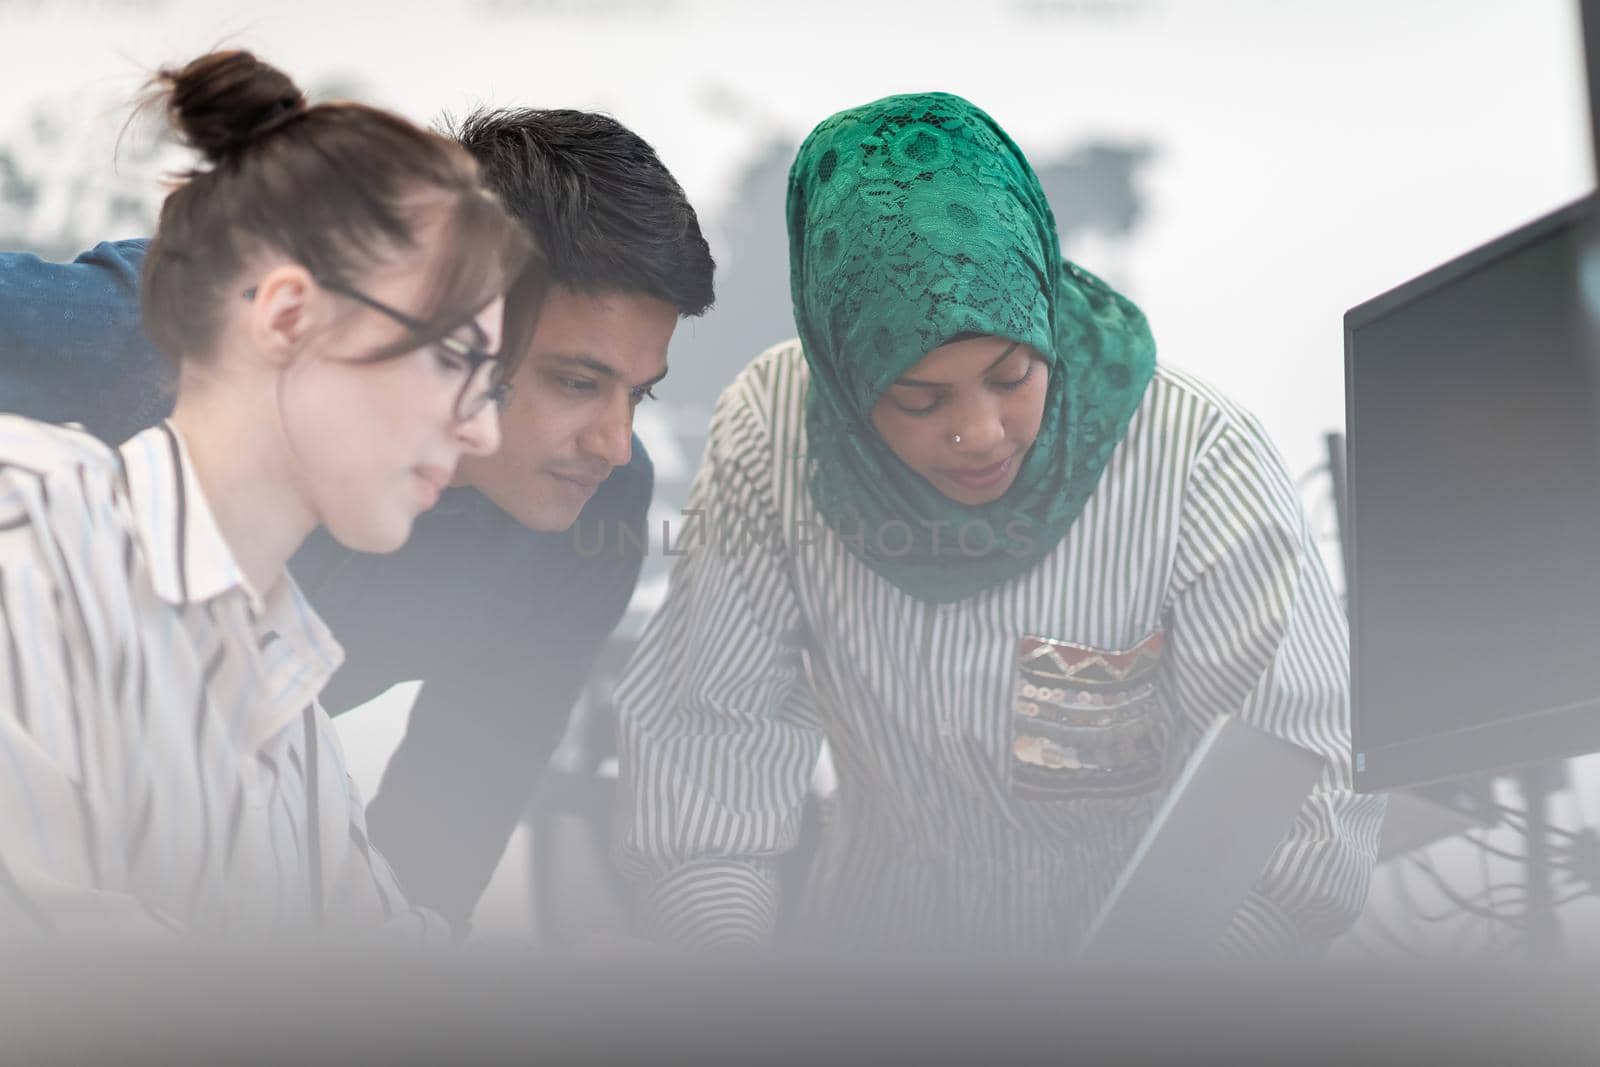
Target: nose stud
955 439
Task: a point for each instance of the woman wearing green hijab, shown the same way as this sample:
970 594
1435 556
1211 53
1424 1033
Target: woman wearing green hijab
967 531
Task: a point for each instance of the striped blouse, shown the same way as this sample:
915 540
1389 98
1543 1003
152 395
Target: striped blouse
164 765
997 758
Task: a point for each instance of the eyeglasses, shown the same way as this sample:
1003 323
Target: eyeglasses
485 370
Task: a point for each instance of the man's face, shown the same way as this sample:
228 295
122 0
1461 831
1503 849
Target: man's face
569 419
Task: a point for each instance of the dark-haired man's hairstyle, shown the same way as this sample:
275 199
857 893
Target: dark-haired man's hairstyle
608 216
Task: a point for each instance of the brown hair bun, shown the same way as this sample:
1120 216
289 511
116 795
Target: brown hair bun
223 101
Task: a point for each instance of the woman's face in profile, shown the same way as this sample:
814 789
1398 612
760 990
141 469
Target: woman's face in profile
965 415
380 440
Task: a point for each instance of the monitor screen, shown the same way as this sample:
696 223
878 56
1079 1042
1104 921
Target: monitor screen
1474 526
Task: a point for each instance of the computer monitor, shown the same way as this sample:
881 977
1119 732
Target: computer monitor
1474 481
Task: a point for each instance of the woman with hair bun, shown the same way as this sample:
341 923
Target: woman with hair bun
329 280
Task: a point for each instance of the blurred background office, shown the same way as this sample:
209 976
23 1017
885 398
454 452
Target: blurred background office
1245 169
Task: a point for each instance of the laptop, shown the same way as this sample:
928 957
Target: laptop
1234 802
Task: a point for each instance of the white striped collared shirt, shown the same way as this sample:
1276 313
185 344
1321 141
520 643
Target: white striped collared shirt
983 803
164 764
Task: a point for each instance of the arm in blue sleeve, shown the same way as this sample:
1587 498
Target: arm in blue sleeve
71 346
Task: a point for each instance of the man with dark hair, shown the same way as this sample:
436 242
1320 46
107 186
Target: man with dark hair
627 259
490 603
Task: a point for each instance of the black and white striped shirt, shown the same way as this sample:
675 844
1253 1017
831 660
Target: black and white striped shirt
959 822
164 764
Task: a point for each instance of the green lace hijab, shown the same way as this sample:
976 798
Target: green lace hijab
914 220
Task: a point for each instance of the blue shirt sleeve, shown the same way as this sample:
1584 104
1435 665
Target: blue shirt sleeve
71 347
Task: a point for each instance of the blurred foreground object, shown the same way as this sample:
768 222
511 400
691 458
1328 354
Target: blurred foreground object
483 1009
